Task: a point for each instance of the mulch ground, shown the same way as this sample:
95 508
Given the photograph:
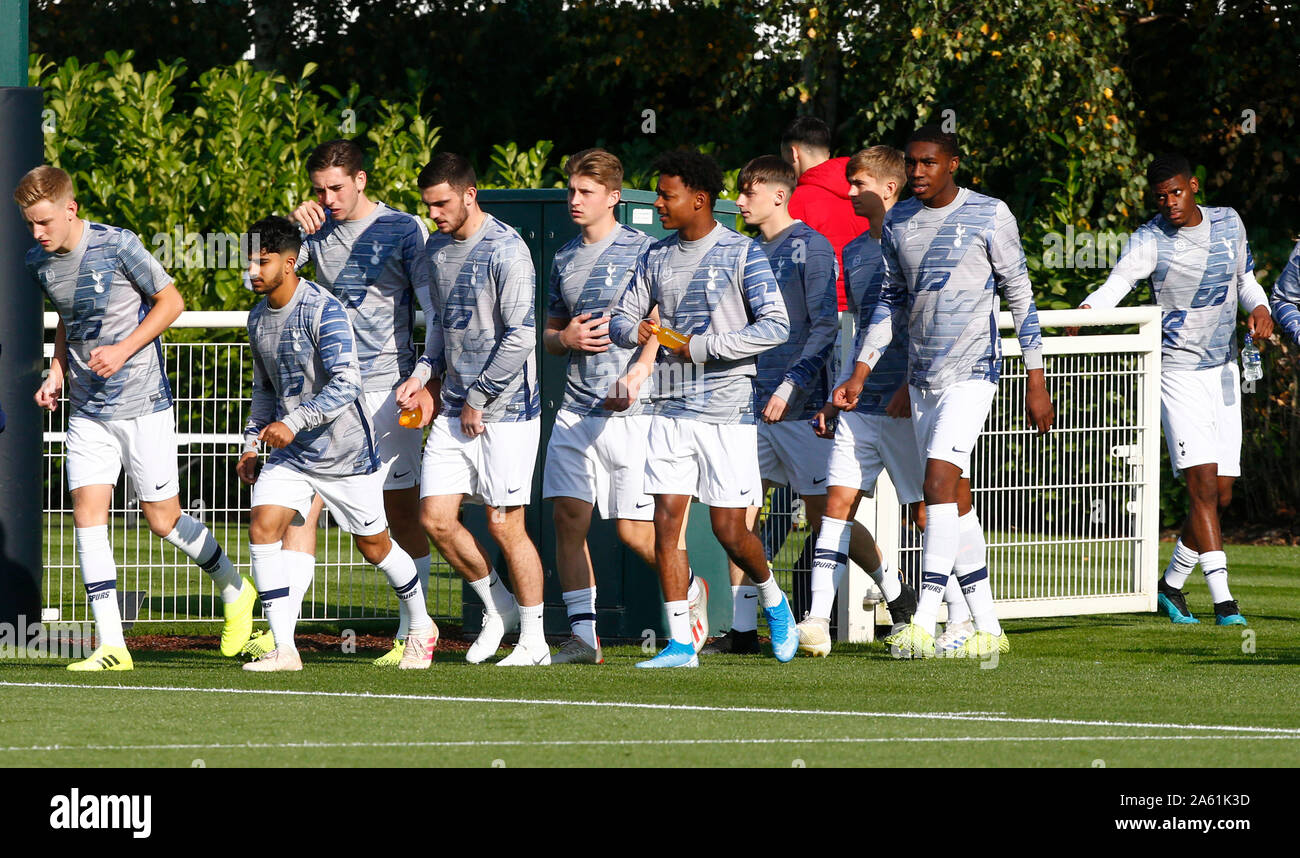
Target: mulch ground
379 644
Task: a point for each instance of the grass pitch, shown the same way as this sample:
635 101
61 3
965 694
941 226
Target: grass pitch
1126 690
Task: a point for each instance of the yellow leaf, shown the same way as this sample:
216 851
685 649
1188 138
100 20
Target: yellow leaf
996 54
812 13
984 28
957 55
917 32
812 32
1108 92
1079 120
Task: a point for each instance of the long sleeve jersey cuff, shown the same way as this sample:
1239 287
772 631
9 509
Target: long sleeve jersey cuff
698 349
295 420
1033 359
425 370
1109 294
786 390
475 398
870 355
1251 295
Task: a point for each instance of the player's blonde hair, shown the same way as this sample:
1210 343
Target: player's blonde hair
43 183
879 162
597 164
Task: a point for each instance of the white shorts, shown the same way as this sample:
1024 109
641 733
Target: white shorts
1200 410
790 453
947 422
600 460
495 468
98 449
356 501
717 463
866 444
398 447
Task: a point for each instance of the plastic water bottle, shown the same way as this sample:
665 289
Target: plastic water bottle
1251 367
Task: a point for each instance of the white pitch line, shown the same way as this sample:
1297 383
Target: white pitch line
507 743
670 707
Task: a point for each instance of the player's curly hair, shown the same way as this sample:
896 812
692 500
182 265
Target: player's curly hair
276 234
697 171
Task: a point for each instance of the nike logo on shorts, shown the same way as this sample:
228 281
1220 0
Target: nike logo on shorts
512 491
644 505
372 521
816 481
160 485
745 492
399 476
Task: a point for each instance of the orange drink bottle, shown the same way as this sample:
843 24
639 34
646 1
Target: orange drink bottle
669 338
410 418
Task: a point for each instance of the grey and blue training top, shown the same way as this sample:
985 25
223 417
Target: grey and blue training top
1198 276
102 290
943 267
590 278
377 267
804 265
864 273
1286 296
482 326
720 290
306 374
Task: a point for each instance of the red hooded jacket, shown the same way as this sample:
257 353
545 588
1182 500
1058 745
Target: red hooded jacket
821 200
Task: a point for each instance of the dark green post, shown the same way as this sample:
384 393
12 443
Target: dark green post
21 334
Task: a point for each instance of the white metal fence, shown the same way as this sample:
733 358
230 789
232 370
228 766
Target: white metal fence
1071 519
212 383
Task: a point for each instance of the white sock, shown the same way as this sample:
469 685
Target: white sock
770 592
496 598
830 562
692 585
971 568
581 607
530 624
197 543
744 608
272 581
422 572
958 610
890 587
99 574
1181 565
301 569
679 621
942 539
1215 566
400 572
